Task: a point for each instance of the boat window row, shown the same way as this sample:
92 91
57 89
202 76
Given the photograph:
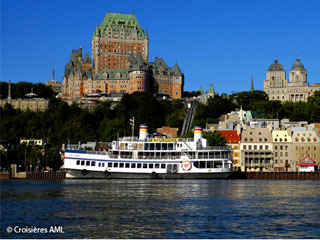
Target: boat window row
158 146
210 164
136 165
213 154
89 163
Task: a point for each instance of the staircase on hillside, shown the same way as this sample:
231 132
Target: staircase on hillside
188 119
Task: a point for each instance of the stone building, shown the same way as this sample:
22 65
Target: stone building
296 89
256 150
34 105
305 143
78 71
282 151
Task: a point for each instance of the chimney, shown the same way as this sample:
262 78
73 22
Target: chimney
197 133
143 134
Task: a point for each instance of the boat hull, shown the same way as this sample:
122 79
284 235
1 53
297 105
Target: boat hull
72 173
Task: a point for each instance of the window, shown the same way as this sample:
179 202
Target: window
145 165
78 162
99 164
109 164
93 163
163 165
127 165
133 165
121 165
139 165
82 163
102 164
157 165
151 165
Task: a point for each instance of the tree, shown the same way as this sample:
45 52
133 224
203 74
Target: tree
214 138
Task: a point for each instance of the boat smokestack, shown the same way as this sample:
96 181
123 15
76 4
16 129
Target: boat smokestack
197 133
143 134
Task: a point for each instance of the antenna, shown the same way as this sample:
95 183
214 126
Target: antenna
53 73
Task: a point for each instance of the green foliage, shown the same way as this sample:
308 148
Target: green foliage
187 94
214 138
19 90
210 112
247 99
62 123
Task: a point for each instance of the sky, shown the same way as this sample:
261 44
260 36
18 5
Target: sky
223 43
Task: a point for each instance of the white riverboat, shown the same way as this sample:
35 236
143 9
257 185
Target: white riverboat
144 157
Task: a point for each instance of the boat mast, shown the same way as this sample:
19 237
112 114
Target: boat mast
132 125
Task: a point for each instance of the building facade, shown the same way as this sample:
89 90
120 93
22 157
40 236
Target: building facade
120 49
282 151
256 150
118 36
233 140
305 143
296 89
34 105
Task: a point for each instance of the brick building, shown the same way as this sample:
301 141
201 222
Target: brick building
233 140
120 49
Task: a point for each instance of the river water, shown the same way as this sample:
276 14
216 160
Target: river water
160 209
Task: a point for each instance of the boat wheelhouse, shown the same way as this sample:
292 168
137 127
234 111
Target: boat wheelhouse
143 157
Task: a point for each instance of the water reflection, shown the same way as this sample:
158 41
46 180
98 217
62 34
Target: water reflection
164 209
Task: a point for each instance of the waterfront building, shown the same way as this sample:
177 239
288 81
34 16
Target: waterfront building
296 89
282 151
305 143
307 165
256 150
233 140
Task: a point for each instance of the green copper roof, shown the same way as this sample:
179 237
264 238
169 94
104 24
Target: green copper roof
117 21
211 89
201 90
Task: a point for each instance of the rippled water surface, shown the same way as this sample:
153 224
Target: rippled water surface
162 208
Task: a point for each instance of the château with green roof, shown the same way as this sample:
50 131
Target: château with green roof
115 39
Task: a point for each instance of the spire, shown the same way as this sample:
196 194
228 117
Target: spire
147 35
251 87
53 73
9 90
87 59
210 90
201 90
176 70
